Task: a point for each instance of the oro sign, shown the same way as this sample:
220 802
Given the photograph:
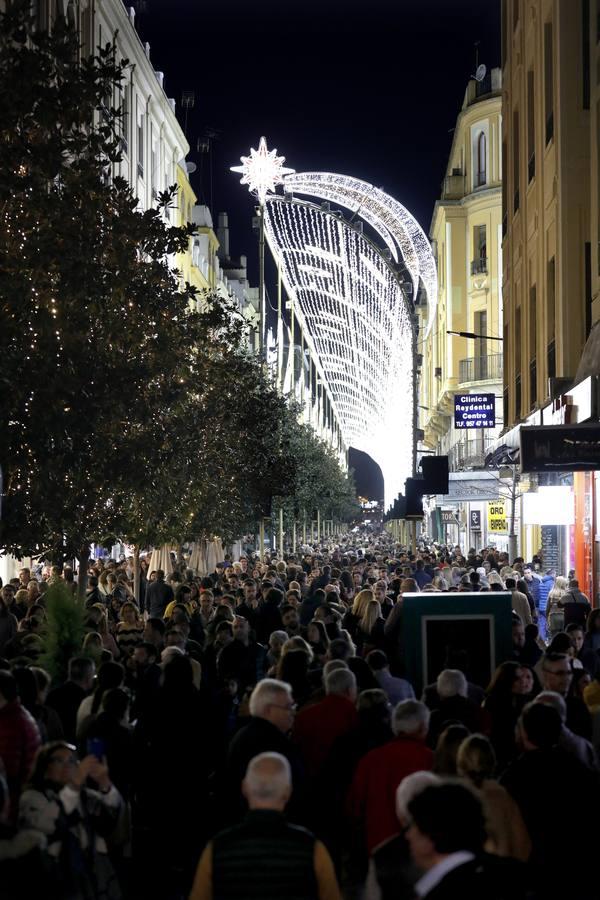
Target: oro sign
497 517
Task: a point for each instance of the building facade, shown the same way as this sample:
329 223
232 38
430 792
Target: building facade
466 235
551 285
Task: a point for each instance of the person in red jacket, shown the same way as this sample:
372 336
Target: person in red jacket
317 727
19 738
371 799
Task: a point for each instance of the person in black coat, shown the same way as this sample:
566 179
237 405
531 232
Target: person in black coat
272 712
543 781
66 698
446 838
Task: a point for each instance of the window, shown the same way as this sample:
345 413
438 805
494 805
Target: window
588 287
124 110
517 343
504 195
479 264
481 177
530 126
515 147
549 81
550 317
585 51
516 5
532 345
550 298
481 357
140 147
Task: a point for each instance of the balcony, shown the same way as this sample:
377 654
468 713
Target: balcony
479 266
453 187
480 368
470 454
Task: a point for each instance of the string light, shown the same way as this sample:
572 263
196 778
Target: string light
396 226
356 322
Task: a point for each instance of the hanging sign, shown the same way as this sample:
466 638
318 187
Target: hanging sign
474 410
449 517
497 517
475 520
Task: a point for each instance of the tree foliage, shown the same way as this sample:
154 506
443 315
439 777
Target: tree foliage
130 408
64 631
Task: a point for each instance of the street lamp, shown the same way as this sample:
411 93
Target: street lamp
471 334
262 171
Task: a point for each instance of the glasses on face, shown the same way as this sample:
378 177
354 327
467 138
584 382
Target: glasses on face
289 707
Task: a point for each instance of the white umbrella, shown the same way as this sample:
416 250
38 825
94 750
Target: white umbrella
197 560
214 554
161 559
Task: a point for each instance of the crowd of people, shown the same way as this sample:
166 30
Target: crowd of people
253 733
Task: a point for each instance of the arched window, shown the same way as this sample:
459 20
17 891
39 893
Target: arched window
481 159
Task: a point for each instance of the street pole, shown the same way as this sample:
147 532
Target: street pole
294 537
261 276
318 525
281 532
261 552
512 537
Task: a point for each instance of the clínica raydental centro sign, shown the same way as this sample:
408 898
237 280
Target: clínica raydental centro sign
474 410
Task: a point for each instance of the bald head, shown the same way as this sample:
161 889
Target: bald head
268 782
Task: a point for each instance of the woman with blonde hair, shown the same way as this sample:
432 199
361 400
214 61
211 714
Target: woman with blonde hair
369 635
130 630
352 619
555 616
506 830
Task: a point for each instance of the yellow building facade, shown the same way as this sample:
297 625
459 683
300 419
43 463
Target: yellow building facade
199 265
465 233
546 204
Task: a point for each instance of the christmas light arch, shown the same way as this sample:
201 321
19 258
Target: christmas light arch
356 319
399 230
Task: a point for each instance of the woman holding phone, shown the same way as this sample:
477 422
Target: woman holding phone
74 818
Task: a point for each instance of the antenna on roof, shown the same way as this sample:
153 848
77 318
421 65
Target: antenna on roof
480 69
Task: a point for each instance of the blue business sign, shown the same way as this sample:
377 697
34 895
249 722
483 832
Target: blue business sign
474 410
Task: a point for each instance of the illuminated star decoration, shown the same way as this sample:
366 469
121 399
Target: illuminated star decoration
262 171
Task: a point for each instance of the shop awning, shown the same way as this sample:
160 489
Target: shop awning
470 486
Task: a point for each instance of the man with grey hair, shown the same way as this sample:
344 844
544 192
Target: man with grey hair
455 706
568 741
392 872
272 712
318 726
265 857
371 800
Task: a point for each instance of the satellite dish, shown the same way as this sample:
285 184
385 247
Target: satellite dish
191 167
481 72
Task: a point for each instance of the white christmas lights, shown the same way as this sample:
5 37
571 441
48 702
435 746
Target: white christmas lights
392 221
262 171
356 322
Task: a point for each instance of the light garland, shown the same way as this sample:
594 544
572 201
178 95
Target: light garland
396 226
262 171
356 322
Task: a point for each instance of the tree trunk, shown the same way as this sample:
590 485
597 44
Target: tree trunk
136 573
82 579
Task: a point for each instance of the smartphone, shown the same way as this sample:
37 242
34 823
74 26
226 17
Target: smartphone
96 747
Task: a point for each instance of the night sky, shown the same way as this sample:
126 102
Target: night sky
369 89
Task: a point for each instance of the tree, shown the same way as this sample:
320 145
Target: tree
131 409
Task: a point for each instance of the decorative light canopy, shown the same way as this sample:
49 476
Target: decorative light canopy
396 226
356 321
262 171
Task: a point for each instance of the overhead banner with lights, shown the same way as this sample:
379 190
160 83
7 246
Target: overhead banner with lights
474 410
